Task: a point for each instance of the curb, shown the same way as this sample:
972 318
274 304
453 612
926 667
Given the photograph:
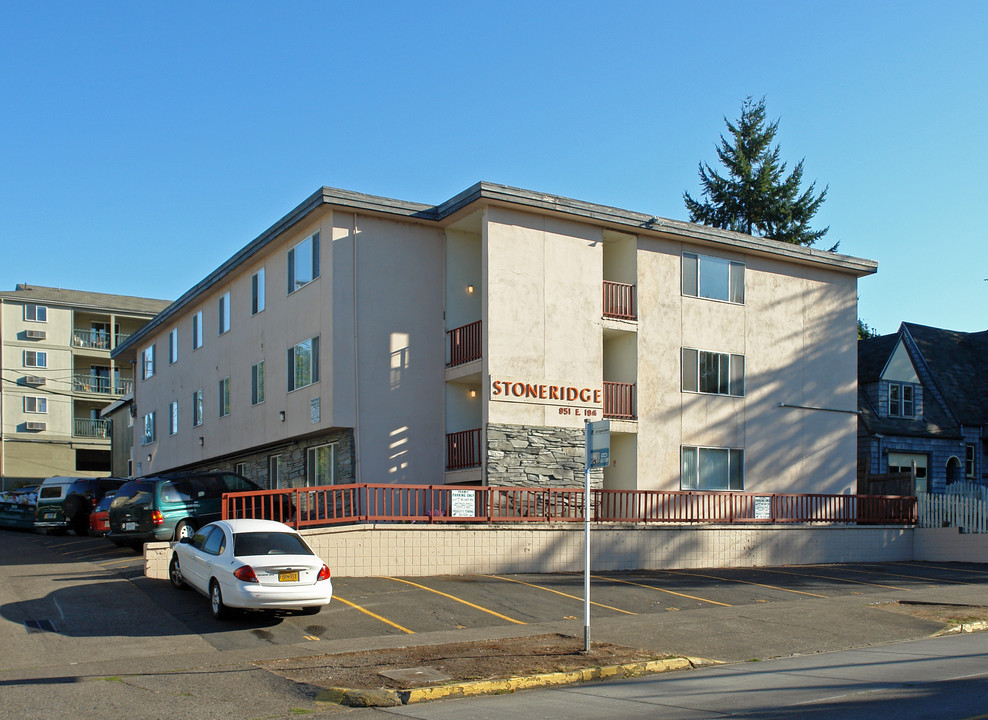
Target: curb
355 697
979 626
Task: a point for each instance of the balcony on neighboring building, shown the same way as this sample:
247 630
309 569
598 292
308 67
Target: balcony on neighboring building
619 301
463 449
619 401
88 428
464 344
102 385
97 339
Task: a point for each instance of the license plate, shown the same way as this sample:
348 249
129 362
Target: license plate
286 576
130 526
49 516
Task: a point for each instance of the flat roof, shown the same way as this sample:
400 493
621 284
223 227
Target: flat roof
486 193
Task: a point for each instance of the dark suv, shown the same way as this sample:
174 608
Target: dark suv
170 506
65 502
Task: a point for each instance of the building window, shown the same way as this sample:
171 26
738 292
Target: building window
257 292
713 278
969 461
901 403
225 397
33 404
173 346
319 465
224 313
257 384
173 418
197 330
712 468
197 408
303 364
35 358
149 436
303 263
35 313
713 373
147 362
241 469
274 471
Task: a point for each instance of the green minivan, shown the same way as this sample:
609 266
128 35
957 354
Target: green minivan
170 506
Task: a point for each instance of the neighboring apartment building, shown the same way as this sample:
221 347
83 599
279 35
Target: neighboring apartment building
364 339
57 375
923 396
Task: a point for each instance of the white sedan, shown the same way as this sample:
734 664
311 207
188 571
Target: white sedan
255 564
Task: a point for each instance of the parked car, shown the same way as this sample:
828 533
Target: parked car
251 564
65 502
171 506
99 518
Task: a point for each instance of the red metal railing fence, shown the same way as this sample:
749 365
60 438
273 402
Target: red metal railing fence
465 343
463 449
619 400
385 503
619 301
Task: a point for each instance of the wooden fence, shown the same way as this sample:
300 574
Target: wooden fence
963 505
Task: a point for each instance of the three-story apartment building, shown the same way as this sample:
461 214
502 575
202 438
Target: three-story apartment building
57 374
368 339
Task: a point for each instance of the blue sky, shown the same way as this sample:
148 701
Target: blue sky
142 144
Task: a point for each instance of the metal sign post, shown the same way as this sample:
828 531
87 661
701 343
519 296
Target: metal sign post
598 454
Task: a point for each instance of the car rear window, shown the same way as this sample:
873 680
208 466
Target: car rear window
51 491
136 493
269 543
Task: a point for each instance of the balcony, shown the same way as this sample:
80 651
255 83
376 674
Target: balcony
464 344
619 301
96 339
84 427
102 385
619 401
463 449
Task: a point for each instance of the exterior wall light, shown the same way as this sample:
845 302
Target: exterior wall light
149 458
281 414
201 441
470 289
473 393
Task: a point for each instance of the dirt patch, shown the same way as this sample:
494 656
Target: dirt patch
948 614
459 662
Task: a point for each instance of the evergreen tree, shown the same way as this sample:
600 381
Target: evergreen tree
756 196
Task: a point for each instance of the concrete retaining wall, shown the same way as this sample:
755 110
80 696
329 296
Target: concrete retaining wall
413 550
949 545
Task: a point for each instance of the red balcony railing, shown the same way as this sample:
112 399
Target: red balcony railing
619 301
465 344
619 401
463 449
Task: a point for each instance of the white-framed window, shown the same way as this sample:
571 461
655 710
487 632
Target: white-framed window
711 468
35 358
257 383
147 361
969 461
257 292
35 313
303 263
224 405
173 346
173 418
303 364
320 464
224 313
713 278
35 404
713 373
241 469
274 471
149 434
197 408
902 400
197 330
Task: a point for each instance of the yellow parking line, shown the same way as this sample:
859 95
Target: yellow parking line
746 582
892 574
574 597
837 579
122 560
355 606
940 567
671 592
470 604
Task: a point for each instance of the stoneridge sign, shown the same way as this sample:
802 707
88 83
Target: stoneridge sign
572 399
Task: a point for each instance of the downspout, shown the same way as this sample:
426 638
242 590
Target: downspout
356 365
3 435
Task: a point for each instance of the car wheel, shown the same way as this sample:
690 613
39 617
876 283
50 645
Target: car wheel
175 574
184 529
216 606
314 610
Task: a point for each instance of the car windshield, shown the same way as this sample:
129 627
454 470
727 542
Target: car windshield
269 543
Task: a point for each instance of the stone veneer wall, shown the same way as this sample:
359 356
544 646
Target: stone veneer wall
293 460
519 455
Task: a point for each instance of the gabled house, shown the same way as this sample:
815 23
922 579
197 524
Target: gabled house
923 399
